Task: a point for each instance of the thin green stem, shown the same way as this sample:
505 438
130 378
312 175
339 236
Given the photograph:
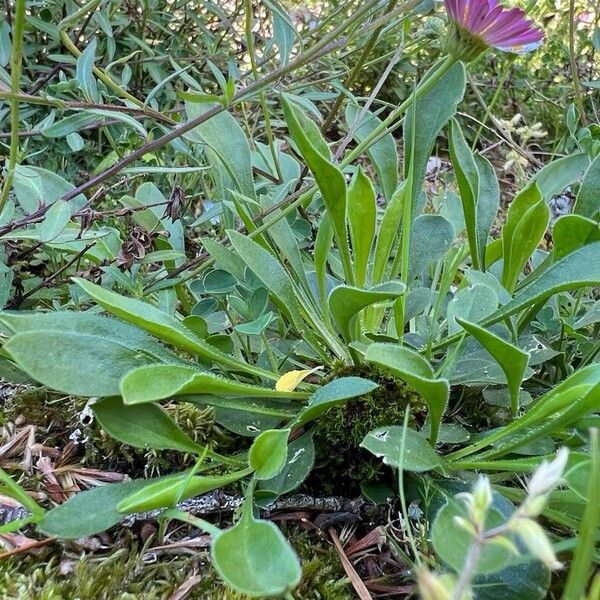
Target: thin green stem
16 61
261 95
356 69
393 120
492 104
573 64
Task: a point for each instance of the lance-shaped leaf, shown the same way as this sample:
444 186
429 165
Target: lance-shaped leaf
526 223
383 154
254 558
89 512
169 490
88 362
153 426
418 373
467 177
388 231
329 178
488 200
346 301
428 115
269 271
511 359
163 326
157 382
362 216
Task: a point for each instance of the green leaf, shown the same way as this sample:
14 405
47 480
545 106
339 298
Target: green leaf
576 391
5 43
268 453
254 558
300 461
329 178
387 443
90 353
168 491
578 269
163 326
451 542
229 148
488 200
467 177
588 197
582 567
383 153
257 326
55 220
471 303
388 232
417 372
333 394
362 217
430 239
153 428
35 187
526 223
88 512
559 174
158 382
428 115
84 73
511 359
346 301
571 232
269 271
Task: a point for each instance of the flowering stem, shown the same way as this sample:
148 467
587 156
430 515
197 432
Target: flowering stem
15 66
468 570
573 64
392 121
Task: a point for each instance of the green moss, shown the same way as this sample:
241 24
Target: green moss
124 575
341 463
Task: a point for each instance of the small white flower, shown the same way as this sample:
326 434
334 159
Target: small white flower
548 474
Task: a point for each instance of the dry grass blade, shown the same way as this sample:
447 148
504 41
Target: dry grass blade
355 580
184 589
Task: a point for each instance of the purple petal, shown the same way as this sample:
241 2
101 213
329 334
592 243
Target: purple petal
527 37
511 32
477 15
507 18
506 23
491 18
452 8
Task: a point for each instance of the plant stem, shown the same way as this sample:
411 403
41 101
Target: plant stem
261 96
355 71
490 106
468 570
16 61
573 64
392 121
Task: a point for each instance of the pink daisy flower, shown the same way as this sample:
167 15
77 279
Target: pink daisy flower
481 24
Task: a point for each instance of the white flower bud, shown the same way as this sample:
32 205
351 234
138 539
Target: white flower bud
548 474
536 540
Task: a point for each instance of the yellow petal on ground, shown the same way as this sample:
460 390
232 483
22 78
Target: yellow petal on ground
289 381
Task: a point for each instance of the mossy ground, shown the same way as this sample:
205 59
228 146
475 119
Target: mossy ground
124 575
341 463
57 573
